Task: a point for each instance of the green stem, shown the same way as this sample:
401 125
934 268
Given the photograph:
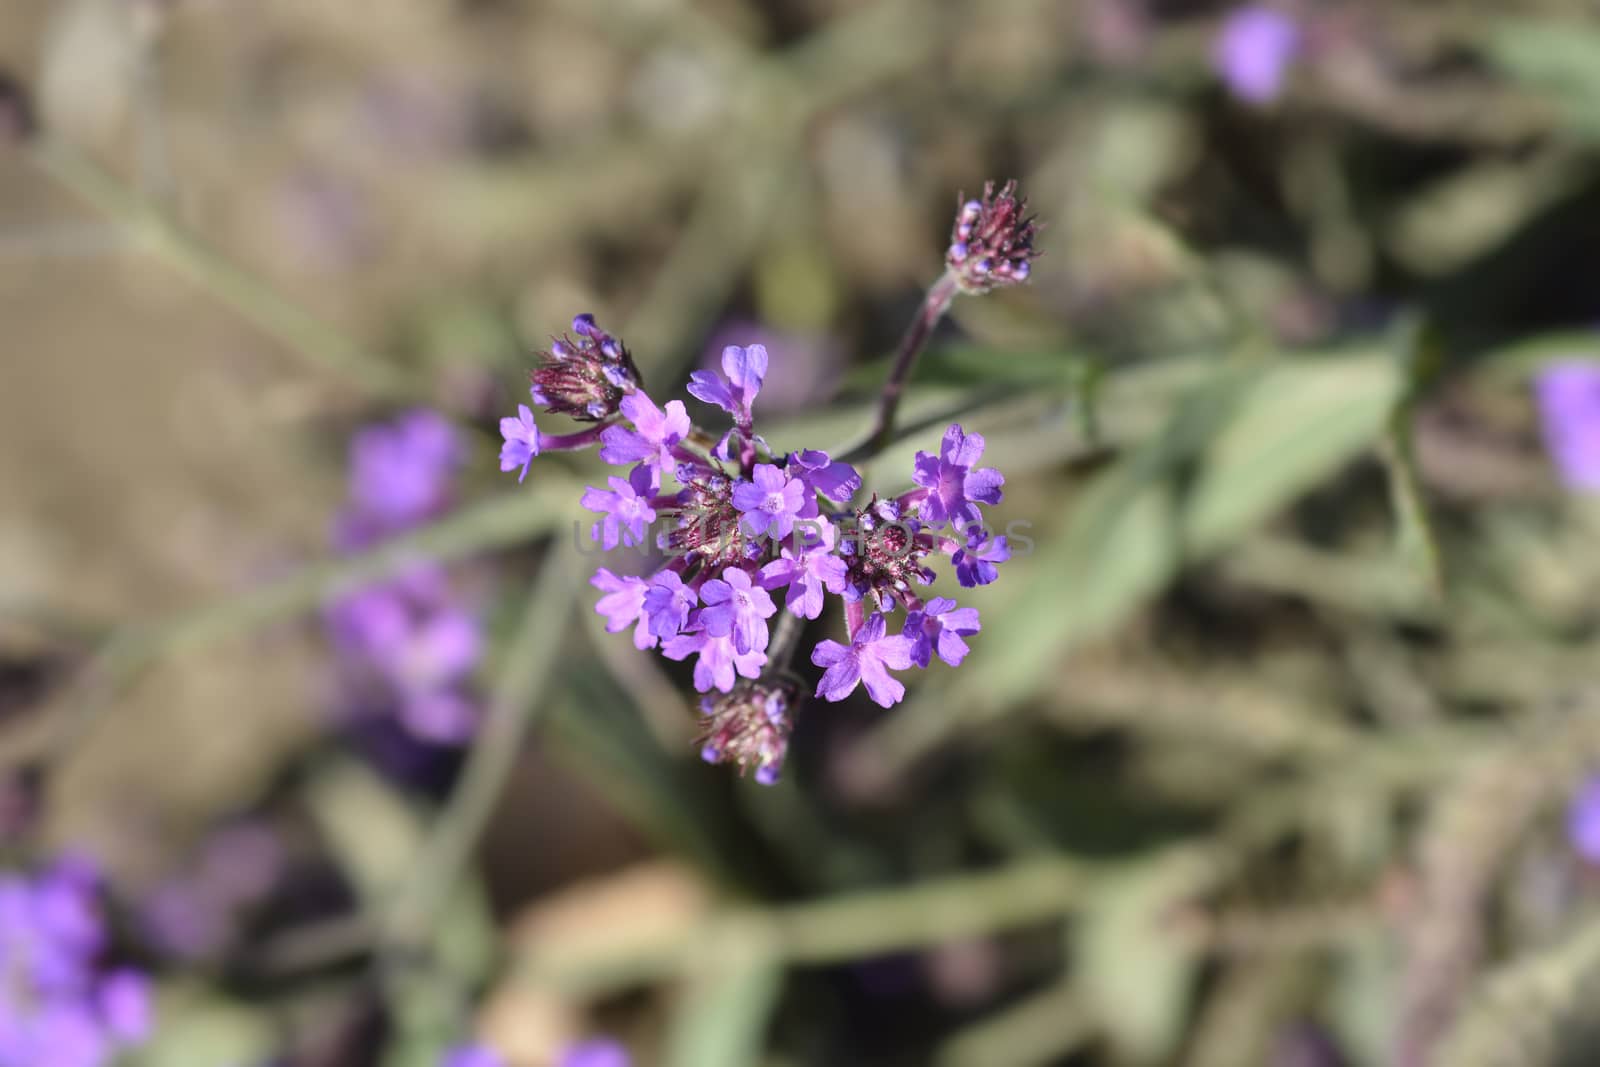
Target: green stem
245 293
530 657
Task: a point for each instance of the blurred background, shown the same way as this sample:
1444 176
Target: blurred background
1275 748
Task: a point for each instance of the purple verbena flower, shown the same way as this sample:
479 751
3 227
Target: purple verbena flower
976 563
991 243
868 658
626 508
718 660
623 606
939 627
736 607
744 369
771 501
1568 396
1253 51
650 442
600 1052
954 489
807 571
668 602
521 441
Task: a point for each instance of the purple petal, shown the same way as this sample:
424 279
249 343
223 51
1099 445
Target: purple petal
712 388
746 369
748 497
884 689
839 680
925 472
827 653
893 651
983 485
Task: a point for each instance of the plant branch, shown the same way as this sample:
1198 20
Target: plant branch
250 296
530 657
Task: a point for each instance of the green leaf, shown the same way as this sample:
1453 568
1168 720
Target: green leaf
1558 58
1235 451
722 1019
1135 974
202 1029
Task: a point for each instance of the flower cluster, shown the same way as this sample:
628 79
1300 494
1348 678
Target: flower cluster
410 642
741 526
60 1006
991 243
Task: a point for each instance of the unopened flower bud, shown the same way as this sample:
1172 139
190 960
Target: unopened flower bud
749 727
991 243
584 378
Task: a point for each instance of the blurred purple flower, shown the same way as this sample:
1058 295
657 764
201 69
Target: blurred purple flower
1568 396
58 1006
601 1052
184 922
402 473
408 643
197 913
241 863
472 1056
1583 820
125 1005
1253 51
